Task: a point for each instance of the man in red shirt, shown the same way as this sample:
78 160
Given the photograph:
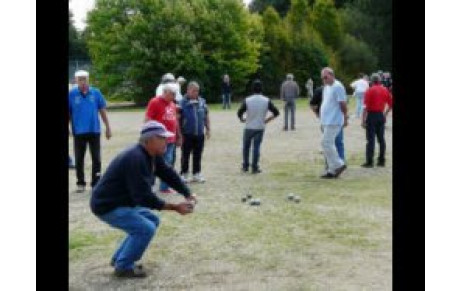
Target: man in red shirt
374 119
163 109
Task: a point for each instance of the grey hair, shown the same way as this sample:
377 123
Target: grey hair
375 78
143 139
328 70
193 84
290 76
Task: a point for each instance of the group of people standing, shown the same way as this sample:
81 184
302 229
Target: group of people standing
122 197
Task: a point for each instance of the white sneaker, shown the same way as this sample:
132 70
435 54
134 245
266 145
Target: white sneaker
185 178
198 178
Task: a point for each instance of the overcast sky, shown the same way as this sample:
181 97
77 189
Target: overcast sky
79 9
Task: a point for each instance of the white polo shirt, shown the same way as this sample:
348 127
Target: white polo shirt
360 85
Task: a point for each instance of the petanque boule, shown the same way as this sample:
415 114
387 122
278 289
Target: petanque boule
297 199
254 202
290 197
248 196
244 199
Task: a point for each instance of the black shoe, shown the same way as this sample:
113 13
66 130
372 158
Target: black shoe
328 176
367 165
292 128
244 170
133 273
340 170
138 266
381 164
256 171
81 188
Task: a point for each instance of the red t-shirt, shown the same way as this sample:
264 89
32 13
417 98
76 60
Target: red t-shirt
376 97
163 111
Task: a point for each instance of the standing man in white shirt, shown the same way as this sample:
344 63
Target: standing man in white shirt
333 118
360 86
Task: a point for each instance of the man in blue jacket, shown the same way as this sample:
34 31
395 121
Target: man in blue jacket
123 196
193 119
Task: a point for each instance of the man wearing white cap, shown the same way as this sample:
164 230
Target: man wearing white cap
167 78
123 197
85 103
162 109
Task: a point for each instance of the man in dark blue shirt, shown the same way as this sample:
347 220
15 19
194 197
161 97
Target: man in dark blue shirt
123 196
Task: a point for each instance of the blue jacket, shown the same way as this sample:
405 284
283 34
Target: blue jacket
193 115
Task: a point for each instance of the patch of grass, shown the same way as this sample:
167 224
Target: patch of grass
83 243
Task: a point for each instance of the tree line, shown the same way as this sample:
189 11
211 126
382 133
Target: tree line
132 43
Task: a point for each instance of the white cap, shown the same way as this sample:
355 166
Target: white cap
168 77
152 128
181 79
81 73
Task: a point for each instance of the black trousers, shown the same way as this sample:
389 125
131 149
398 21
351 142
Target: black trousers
192 144
375 126
80 143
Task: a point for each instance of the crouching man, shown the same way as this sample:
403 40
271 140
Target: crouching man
123 197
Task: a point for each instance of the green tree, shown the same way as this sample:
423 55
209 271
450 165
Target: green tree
371 21
133 43
275 53
77 45
356 57
281 6
326 20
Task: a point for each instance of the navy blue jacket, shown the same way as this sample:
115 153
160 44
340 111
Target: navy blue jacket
128 182
193 115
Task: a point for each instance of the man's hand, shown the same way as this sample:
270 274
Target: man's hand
345 122
192 198
108 133
208 134
363 125
184 208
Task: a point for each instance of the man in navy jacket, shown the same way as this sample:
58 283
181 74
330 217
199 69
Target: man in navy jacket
123 196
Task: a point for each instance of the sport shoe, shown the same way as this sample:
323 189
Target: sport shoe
133 273
340 170
198 178
138 266
367 165
185 178
328 176
256 171
81 188
244 170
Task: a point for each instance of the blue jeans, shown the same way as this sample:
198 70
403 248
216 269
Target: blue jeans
140 224
359 104
254 136
226 100
340 145
169 159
